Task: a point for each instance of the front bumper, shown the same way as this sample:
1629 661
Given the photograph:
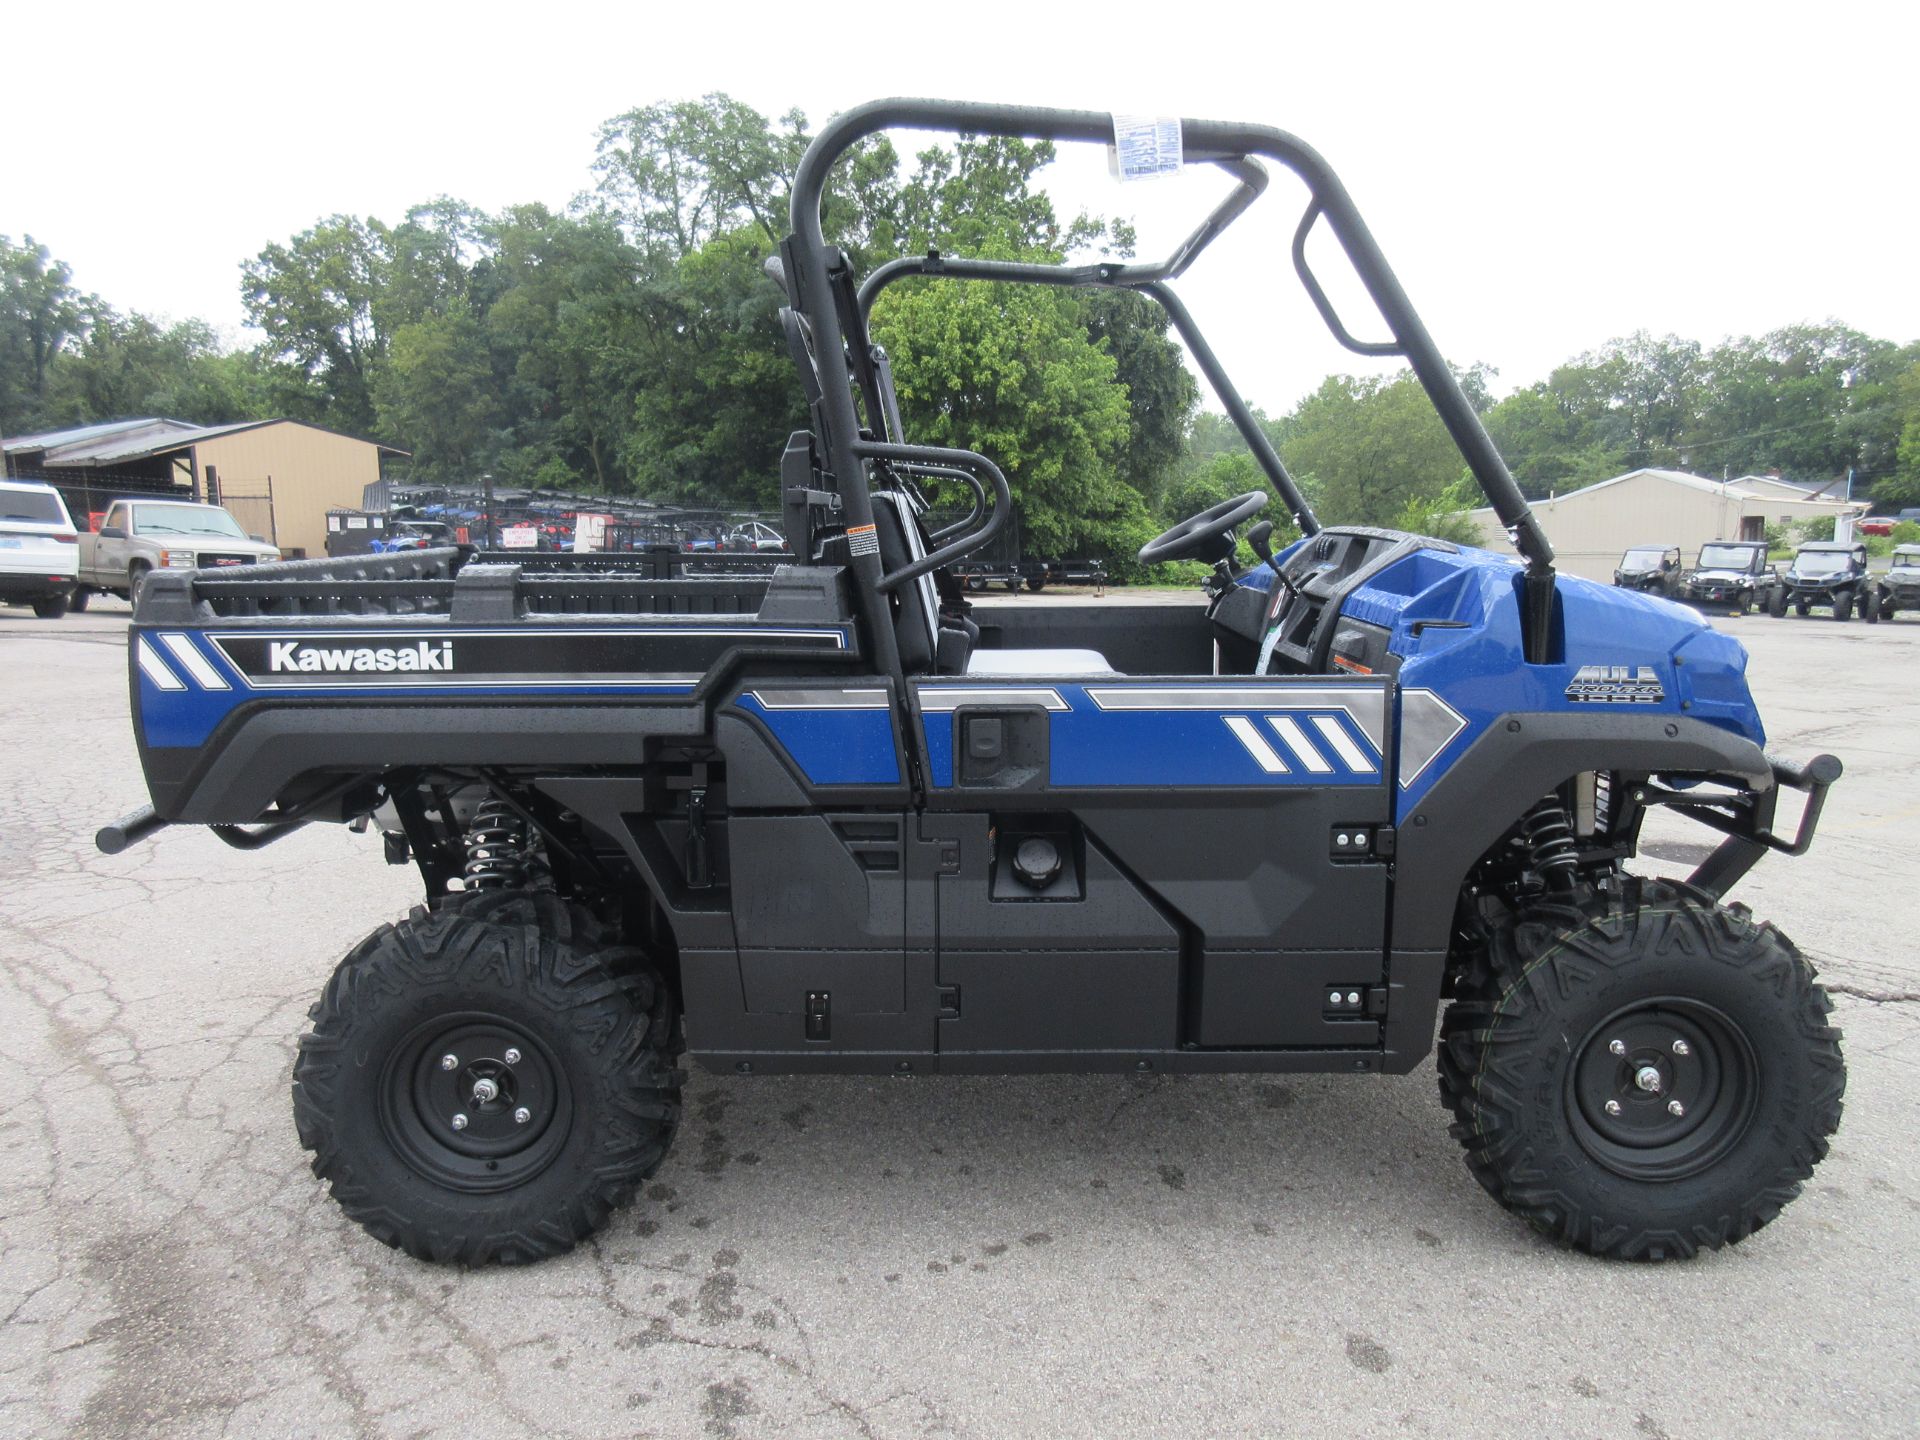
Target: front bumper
1748 818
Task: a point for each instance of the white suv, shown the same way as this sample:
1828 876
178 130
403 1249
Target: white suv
39 550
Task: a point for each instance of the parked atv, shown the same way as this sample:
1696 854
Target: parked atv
1731 573
1652 570
823 819
1828 573
1899 588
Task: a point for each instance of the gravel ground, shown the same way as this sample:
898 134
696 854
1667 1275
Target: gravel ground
843 1257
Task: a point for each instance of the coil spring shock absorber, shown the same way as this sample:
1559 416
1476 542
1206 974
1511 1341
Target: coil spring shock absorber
1551 849
499 847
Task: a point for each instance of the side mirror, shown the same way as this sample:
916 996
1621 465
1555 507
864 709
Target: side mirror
112 532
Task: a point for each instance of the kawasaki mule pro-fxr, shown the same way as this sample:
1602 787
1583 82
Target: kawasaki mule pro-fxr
822 819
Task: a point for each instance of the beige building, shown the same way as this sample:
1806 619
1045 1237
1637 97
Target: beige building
1591 529
278 477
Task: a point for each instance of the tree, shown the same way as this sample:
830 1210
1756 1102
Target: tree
720 395
1902 489
1368 447
1548 445
437 391
679 175
1782 400
39 311
132 365
315 298
1161 392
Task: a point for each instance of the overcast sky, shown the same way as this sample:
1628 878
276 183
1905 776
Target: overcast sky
1543 177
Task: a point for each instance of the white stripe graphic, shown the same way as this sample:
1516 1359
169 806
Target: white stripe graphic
1335 735
1295 739
196 664
154 668
1256 743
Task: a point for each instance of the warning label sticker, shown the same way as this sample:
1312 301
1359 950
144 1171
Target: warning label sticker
1144 146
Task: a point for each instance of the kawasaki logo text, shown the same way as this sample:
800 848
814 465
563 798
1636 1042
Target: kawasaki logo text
284 656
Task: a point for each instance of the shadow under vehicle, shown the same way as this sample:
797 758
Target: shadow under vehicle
827 819
1651 569
1829 574
1730 572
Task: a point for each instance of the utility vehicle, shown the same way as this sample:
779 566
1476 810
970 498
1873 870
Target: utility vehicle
1830 573
1732 572
824 819
1899 588
1652 570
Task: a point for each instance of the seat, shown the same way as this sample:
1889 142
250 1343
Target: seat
1039 662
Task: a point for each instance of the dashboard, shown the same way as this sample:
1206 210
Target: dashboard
1294 625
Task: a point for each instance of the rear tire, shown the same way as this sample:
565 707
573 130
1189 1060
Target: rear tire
50 608
1777 604
575 1039
1555 1124
77 603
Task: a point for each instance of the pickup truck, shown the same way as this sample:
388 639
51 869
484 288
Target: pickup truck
821 819
138 537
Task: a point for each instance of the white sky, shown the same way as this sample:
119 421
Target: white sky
1542 177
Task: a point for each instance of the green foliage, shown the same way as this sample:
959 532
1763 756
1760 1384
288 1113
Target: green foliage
39 310
1907 532
1369 447
1443 516
1821 527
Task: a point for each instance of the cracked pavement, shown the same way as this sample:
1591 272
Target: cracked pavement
848 1257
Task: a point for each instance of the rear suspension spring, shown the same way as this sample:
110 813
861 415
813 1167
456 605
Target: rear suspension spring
499 847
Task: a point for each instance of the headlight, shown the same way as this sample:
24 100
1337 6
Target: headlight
177 559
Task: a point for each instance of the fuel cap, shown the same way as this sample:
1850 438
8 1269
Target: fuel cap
1037 862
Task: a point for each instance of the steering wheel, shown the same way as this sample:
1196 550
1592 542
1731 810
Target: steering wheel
1191 536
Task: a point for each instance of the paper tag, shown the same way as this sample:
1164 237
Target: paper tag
1144 146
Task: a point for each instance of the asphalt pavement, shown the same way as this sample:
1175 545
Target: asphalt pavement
1108 1256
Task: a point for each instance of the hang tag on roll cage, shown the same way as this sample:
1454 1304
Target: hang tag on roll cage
1144 146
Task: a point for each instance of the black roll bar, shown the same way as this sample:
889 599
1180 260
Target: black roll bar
1116 277
1236 147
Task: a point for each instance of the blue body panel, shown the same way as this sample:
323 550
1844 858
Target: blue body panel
1662 655
832 744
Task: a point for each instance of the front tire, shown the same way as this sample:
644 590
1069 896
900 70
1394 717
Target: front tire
560 1099
1644 1076
1777 604
77 603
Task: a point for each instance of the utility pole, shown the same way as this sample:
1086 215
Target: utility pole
486 491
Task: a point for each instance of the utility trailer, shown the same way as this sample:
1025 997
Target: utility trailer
824 819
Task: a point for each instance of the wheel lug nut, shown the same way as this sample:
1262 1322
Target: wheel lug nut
449 1062
512 1057
1648 1079
1613 1107
1617 1047
1676 1109
459 1122
1682 1049
522 1115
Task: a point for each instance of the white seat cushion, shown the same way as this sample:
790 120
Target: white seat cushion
1038 662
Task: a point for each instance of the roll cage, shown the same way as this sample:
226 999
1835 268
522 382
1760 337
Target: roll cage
827 316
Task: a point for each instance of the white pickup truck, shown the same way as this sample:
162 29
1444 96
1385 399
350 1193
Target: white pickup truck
140 536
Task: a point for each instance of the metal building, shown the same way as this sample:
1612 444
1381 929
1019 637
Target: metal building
278 477
1591 528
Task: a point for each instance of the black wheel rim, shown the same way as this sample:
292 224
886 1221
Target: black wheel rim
492 1119
1662 1089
